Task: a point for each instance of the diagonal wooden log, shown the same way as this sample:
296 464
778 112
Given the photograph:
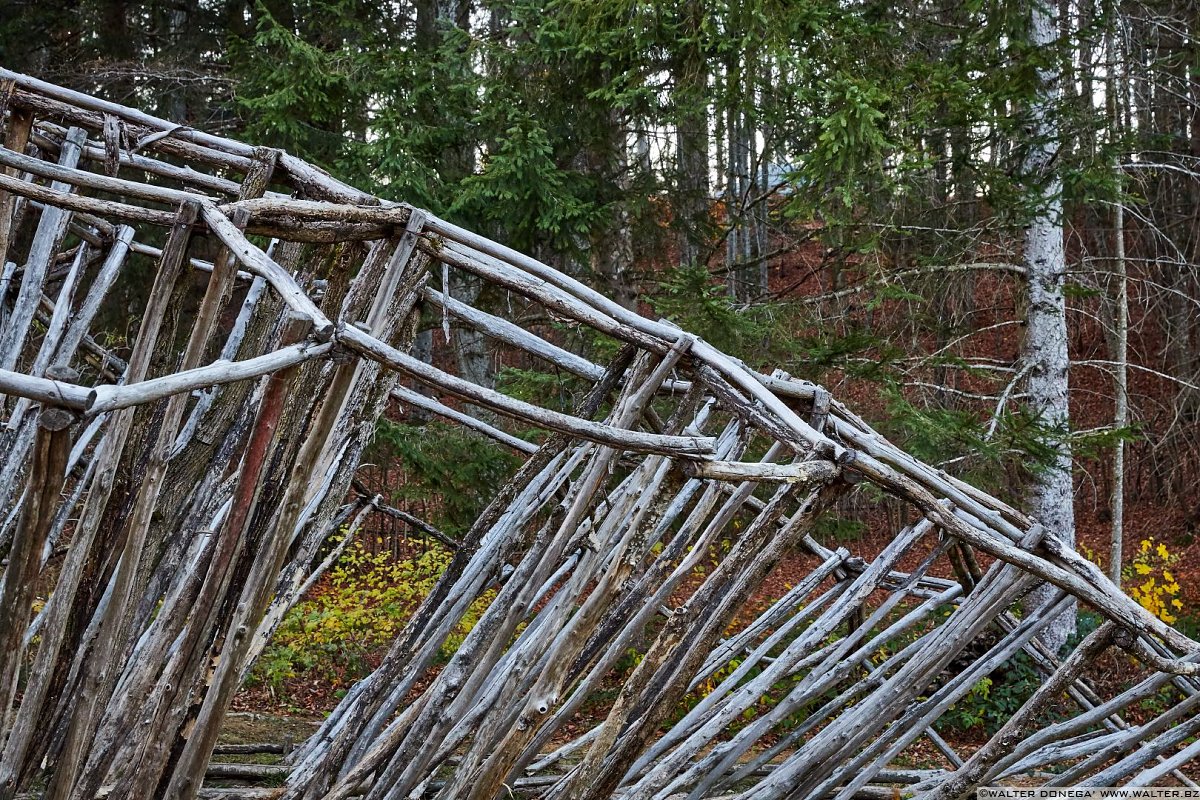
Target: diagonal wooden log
418 400
52 339
262 265
684 446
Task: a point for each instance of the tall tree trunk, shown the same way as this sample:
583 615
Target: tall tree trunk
612 244
691 102
434 18
1118 104
1051 498
1192 119
732 195
1121 396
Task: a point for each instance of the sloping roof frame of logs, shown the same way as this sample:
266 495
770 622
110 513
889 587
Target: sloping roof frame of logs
170 493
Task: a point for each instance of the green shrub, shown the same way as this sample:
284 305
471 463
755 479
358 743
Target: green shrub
461 468
995 698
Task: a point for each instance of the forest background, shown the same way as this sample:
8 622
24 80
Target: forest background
978 223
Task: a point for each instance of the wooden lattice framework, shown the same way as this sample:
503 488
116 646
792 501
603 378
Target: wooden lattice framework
172 503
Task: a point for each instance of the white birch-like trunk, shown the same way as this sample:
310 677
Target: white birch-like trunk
1121 401
1051 498
1121 326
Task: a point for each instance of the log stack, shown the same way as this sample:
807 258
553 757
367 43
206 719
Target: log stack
170 469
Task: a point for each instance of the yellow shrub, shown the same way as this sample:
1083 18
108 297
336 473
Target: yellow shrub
1151 581
355 612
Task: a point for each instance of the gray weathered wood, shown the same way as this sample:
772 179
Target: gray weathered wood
183 518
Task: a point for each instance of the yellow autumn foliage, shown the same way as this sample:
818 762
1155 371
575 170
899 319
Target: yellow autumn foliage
1158 593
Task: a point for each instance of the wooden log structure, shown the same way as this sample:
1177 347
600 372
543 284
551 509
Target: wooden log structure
167 483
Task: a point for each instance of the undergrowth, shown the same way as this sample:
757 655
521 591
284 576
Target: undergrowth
337 633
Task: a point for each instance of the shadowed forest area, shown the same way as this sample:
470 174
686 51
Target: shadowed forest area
976 224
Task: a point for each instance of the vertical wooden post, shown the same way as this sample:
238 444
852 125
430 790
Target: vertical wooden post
25 558
20 123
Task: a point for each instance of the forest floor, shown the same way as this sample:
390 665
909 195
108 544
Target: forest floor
295 708
246 728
